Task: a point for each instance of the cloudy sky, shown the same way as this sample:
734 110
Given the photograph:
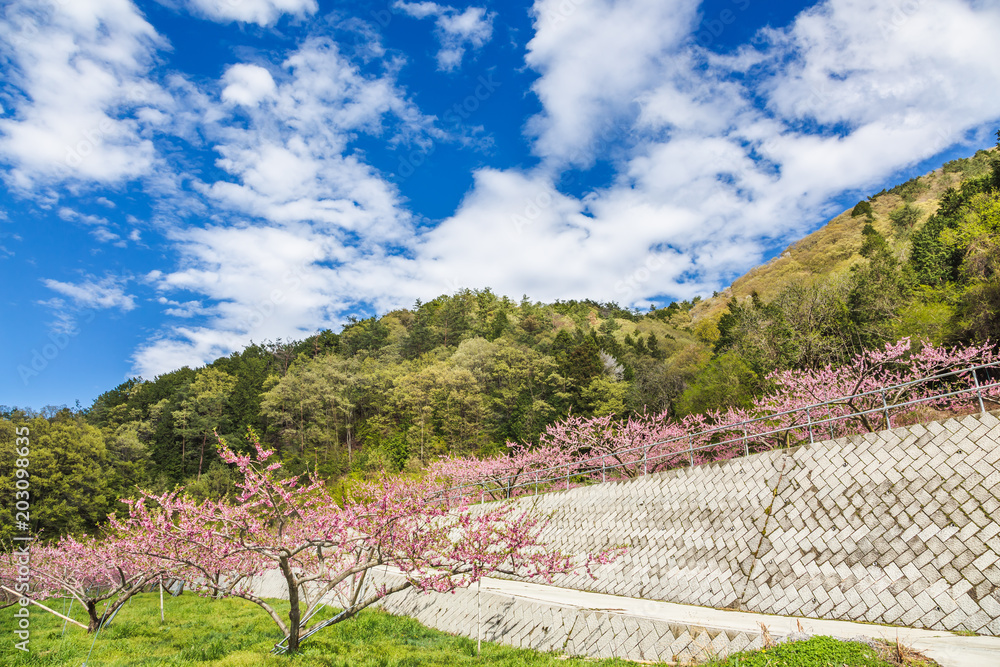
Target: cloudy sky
181 177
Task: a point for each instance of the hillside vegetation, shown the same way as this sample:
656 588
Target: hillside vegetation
469 373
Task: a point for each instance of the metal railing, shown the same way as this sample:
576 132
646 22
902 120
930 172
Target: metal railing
750 439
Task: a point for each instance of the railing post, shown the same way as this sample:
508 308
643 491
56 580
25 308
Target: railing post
746 445
567 477
691 451
645 467
809 423
885 409
979 393
604 476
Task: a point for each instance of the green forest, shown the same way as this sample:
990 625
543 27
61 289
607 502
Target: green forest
468 372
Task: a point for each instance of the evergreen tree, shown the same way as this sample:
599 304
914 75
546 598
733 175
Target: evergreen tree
584 362
878 291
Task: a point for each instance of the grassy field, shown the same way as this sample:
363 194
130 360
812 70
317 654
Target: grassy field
234 633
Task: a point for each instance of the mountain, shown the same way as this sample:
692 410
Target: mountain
470 372
835 247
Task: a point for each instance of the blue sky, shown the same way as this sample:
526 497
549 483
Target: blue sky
181 177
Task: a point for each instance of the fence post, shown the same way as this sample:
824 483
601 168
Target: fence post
979 393
645 467
885 409
746 445
604 476
691 451
809 423
567 477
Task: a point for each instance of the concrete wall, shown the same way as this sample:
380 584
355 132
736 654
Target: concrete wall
895 527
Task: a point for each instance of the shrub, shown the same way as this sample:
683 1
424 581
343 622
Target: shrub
910 189
905 217
862 208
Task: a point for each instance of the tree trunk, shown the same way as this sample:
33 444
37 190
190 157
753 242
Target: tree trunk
350 452
201 460
95 620
294 615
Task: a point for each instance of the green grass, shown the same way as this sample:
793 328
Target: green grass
235 633
822 652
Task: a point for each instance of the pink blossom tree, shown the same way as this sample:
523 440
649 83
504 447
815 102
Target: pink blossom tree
631 447
830 402
503 476
92 572
326 552
859 394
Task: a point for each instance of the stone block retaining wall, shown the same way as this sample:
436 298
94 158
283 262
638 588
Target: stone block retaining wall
897 527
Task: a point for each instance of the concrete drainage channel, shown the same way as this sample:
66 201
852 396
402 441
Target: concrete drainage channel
545 618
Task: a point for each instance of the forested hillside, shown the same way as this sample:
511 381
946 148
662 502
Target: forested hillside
469 372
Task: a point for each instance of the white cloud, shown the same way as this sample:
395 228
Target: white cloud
108 292
455 29
258 282
99 227
517 235
292 161
104 235
81 66
184 310
419 10
247 85
321 228
187 347
261 12
595 59
864 61
70 215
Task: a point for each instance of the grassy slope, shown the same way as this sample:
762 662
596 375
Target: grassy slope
235 633
832 249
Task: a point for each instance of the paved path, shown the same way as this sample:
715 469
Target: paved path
948 649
